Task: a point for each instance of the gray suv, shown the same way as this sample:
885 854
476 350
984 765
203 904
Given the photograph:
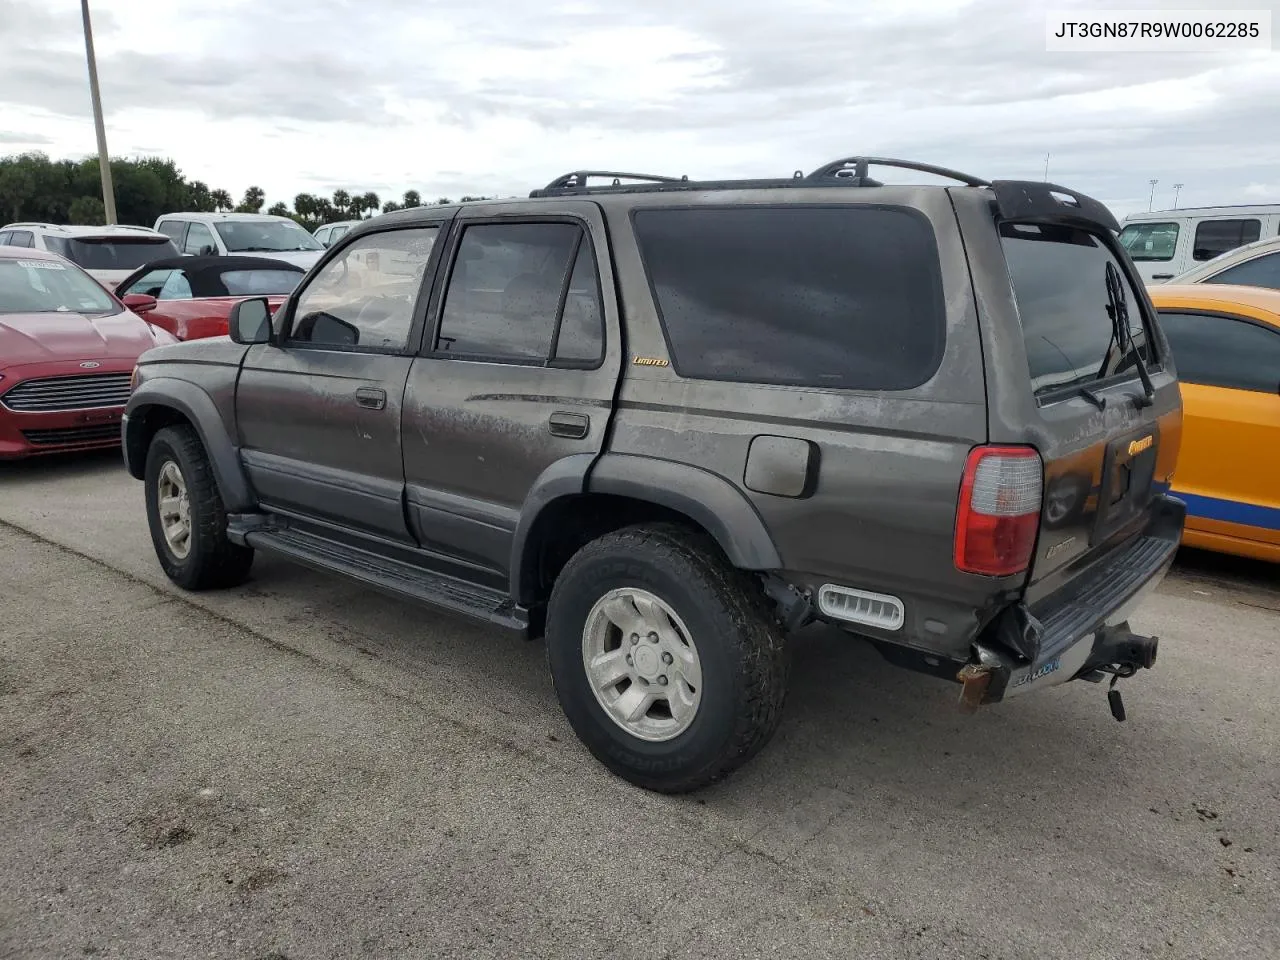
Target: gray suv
665 423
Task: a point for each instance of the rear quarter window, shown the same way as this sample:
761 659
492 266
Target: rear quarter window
846 297
1223 351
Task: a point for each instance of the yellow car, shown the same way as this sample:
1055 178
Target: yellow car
1226 345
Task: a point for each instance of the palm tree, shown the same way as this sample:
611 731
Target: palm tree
221 200
341 200
371 202
253 200
412 198
355 207
278 209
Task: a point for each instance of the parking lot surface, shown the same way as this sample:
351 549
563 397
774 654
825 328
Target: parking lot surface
303 769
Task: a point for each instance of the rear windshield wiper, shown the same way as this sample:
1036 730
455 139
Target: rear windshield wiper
1118 311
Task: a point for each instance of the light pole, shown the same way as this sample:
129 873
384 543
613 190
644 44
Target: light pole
1046 168
1176 188
104 161
1152 199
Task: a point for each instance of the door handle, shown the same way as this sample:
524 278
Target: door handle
375 398
1162 276
572 425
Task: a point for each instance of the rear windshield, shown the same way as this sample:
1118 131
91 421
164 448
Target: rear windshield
48 286
113 253
839 297
1059 282
259 283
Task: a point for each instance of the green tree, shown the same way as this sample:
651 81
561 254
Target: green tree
412 198
87 211
279 209
391 205
198 198
253 200
371 202
221 200
341 201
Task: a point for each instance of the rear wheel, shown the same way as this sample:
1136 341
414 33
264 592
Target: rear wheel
664 657
185 513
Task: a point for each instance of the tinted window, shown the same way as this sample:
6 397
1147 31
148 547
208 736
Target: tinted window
50 286
1059 281
199 237
1216 237
5 236
581 335
172 229
1258 272
1150 241
1223 352
505 290
260 283
842 297
114 253
366 295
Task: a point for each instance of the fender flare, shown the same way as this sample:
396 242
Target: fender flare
705 498
199 409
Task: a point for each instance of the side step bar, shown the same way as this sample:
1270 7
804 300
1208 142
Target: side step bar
390 576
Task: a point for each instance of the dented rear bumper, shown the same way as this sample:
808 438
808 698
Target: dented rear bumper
1082 630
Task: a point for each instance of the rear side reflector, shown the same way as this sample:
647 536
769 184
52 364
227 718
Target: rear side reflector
999 511
861 606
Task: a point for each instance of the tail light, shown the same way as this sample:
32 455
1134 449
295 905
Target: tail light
999 510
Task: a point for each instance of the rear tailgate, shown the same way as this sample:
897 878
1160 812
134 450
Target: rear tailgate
1059 380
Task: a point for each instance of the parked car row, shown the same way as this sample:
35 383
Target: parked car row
1168 246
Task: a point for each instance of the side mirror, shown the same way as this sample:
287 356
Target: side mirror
208 250
250 321
139 302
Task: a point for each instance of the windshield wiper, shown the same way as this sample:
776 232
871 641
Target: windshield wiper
1118 311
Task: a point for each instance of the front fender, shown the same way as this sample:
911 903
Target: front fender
169 394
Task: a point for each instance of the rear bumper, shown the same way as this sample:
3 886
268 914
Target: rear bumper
1082 628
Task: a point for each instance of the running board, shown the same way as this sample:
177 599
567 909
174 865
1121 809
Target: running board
395 577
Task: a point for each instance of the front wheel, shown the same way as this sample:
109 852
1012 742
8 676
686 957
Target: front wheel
664 657
185 513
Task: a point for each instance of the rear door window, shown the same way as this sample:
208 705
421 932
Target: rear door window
173 229
22 238
1216 237
1058 276
846 297
1259 272
1150 241
1220 351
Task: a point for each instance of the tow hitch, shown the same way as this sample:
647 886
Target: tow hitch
1121 653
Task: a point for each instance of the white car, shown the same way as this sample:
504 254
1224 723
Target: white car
1165 243
331 232
1253 265
108 254
259 234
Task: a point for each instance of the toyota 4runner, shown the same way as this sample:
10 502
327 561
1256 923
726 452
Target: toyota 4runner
664 423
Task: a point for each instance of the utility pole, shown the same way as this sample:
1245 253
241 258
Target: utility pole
1046 168
1151 201
1176 188
104 161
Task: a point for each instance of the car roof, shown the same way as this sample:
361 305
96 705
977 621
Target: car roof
1227 210
1261 303
204 271
78 230
196 215
28 253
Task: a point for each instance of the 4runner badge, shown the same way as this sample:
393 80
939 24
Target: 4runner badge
1044 671
1138 446
649 362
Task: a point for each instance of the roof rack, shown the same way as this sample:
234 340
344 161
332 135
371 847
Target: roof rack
855 168
576 181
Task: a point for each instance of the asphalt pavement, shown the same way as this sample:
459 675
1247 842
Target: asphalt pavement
300 769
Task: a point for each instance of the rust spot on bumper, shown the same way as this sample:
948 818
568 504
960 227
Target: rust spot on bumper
975 678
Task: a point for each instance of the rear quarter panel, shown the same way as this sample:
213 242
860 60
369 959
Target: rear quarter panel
879 512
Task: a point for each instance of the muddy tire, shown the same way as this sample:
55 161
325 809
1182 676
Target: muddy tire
665 658
185 513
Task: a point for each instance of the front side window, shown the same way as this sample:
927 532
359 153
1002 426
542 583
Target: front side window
265 236
844 297
1059 280
365 297
150 283
172 229
1220 351
1259 272
523 292
1150 241
1216 237
177 286
48 286
199 240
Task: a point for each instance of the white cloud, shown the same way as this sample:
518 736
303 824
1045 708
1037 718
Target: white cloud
498 97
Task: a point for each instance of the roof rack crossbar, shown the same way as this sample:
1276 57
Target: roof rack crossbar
856 168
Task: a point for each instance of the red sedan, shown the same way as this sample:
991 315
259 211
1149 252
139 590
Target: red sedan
67 351
191 297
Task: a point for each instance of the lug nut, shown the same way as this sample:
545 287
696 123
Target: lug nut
653 638
666 658
628 659
663 680
635 638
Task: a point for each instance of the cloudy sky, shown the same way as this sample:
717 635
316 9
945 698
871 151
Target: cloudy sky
498 96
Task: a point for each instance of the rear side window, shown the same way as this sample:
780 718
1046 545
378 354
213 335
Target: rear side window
1216 237
1220 351
1150 241
1258 272
1059 280
845 297
259 283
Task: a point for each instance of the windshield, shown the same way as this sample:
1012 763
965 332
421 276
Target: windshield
273 236
1059 278
112 253
1150 241
47 286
